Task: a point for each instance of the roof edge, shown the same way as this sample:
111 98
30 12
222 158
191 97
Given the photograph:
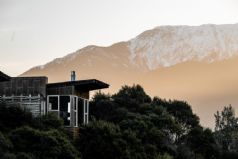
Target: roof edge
4 76
79 82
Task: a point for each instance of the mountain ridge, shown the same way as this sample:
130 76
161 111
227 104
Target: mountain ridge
152 58
196 64
161 45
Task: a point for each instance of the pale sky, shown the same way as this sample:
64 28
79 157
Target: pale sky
34 32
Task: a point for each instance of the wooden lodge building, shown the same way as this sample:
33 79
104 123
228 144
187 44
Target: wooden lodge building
68 100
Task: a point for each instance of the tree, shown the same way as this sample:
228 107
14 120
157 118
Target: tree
158 125
103 108
226 129
42 144
181 111
202 142
131 97
100 140
226 119
5 145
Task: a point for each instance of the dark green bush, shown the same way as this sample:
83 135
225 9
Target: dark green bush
13 116
42 144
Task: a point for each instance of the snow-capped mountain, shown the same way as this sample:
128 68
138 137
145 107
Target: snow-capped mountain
164 46
169 45
193 63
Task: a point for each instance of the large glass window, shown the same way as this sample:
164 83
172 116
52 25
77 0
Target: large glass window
80 110
75 105
53 103
86 106
85 115
65 109
72 109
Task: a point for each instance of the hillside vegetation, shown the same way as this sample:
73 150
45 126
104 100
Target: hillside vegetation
126 125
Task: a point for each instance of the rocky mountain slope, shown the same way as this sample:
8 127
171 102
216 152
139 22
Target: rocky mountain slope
193 63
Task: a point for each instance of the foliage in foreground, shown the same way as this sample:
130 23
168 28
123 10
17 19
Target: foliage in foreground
126 125
226 131
33 138
133 126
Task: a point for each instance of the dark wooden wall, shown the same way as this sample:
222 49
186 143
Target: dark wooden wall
67 90
24 86
83 94
61 90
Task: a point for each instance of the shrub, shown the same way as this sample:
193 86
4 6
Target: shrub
48 144
13 116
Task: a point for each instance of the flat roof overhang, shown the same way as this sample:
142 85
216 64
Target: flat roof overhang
90 84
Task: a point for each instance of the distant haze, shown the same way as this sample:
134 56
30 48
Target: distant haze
33 32
197 64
